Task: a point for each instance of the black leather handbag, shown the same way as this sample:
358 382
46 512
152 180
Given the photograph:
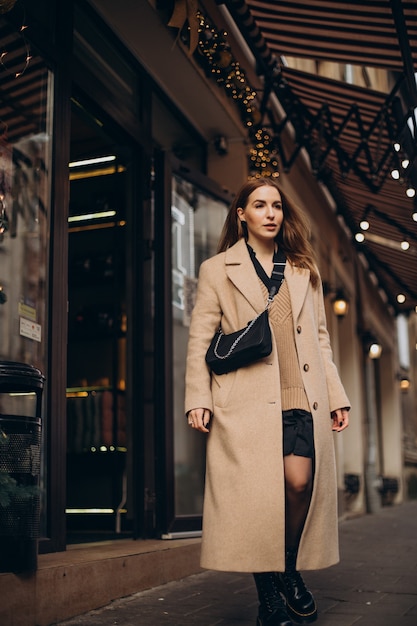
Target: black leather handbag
230 352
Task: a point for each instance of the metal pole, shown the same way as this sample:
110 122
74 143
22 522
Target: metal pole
373 498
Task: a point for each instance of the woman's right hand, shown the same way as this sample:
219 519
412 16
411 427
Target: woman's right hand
199 419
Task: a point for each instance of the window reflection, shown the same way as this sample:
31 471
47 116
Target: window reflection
25 166
197 219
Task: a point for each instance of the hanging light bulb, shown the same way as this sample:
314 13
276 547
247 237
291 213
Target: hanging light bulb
395 174
414 216
397 146
405 245
405 163
410 192
401 298
360 237
364 224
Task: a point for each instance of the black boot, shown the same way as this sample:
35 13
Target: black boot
301 605
272 611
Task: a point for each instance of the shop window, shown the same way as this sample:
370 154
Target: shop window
26 108
197 220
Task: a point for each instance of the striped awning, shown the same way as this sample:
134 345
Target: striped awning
348 131
359 32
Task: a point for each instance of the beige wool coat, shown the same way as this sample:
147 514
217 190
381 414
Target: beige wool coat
244 510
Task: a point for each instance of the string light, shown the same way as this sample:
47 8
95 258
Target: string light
360 237
364 224
214 55
395 174
405 245
28 56
410 192
401 298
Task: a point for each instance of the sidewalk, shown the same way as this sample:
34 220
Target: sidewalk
375 584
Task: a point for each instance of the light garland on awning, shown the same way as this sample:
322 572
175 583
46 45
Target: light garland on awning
213 54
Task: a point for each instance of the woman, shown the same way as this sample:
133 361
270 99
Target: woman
270 493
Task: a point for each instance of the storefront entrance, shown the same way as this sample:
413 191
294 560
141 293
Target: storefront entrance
97 445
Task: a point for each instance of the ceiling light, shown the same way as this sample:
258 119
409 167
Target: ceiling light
411 192
93 161
91 216
397 146
364 224
395 174
360 237
405 245
401 298
405 163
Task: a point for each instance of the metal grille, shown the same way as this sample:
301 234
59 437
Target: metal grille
20 442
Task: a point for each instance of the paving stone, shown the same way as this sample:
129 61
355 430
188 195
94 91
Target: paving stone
375 584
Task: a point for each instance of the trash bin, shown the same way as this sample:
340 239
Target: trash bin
21 388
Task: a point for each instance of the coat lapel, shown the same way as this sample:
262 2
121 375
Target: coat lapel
298 280
240 270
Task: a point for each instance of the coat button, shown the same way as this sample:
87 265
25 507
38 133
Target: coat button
306 367
315 405
298 329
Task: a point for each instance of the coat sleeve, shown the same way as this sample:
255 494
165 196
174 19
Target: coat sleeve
205 320
337 395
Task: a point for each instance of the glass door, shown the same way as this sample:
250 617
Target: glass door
196 215
97 326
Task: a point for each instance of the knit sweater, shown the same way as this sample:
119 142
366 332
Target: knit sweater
293 395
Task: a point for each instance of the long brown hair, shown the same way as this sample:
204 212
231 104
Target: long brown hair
293 237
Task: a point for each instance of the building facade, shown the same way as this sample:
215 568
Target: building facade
121 149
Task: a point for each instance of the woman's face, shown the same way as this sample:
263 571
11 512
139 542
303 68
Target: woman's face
263 214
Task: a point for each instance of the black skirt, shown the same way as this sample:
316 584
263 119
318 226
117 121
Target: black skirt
298 437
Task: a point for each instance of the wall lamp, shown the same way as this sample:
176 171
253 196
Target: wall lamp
339 300
404 382
371 345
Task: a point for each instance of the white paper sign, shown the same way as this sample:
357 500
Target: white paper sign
30 329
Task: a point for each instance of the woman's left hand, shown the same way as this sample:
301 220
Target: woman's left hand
340 419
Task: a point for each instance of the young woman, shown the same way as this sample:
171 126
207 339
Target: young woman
270 494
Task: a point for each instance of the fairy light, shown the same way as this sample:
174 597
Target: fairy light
28 56
214 55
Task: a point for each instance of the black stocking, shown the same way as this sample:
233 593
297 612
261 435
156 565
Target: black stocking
298 487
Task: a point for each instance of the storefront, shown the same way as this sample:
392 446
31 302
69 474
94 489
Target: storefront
104 227
117 162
